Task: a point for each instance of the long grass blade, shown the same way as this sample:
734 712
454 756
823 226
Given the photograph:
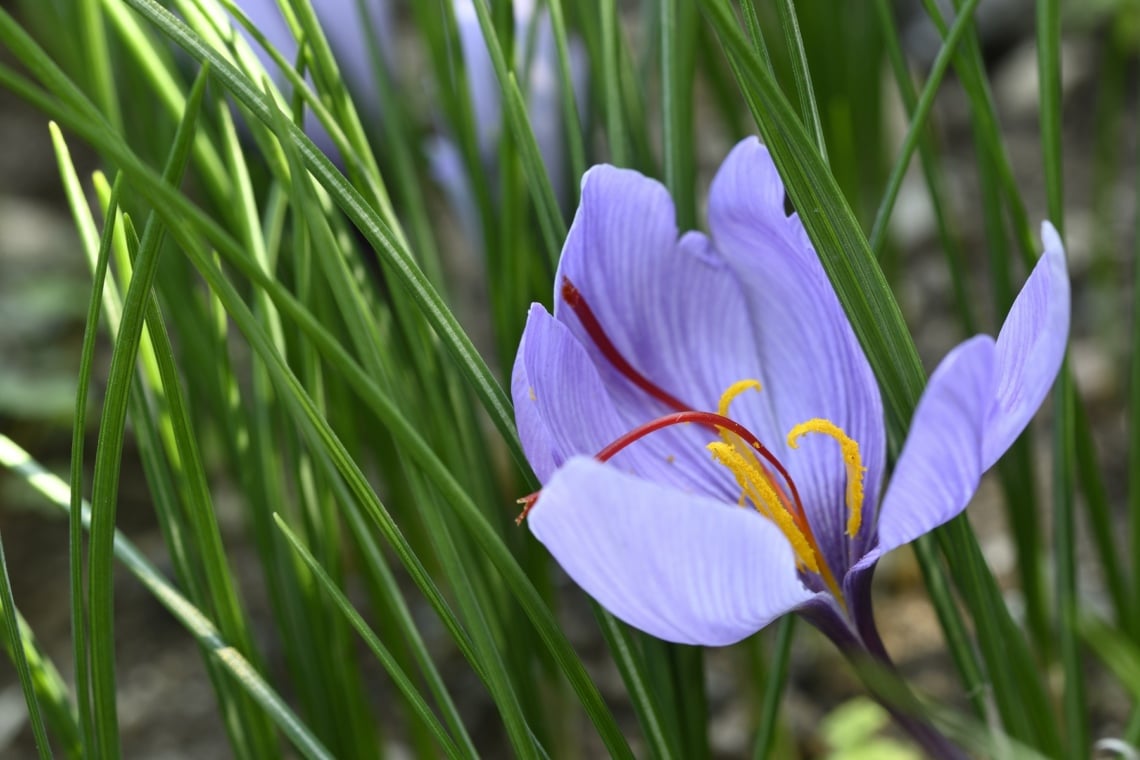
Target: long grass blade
395 672
918 121
1065 553
17 646
198 625
777 678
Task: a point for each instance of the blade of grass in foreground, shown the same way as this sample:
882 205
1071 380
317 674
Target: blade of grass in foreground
793 40
918 122
17 646
191 618
679 24
1065 398
774 688
395 672
92 242
1134 422
108 459
1064 539
52 692
931 170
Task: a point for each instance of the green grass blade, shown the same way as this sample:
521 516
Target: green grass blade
1065 552
191 618
918 122
400 615
756 33
395 672
1134 425
678 24
1118 652
546 202
17 645
614 111
52 693
931 170
658 732
1049 104
108 457
92 242
777 677
809 111
575 138
97 60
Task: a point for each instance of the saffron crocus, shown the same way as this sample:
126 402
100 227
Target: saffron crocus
708 430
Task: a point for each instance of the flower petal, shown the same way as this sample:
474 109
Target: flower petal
562 409
941 461
683 568
813 363
535 436
671 308
1030 348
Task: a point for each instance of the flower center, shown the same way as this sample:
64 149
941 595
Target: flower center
752 464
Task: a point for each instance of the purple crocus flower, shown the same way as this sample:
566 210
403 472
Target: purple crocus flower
709 433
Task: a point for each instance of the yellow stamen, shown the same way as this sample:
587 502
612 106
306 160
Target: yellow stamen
733 391
851 458
757 486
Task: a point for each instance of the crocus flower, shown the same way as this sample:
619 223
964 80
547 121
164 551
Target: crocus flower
708 431
351 37
536 55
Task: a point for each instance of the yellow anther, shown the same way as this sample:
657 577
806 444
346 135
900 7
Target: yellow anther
759 489
851 458
733 391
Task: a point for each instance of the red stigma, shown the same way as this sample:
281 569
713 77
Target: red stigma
683 414
712 421
573 298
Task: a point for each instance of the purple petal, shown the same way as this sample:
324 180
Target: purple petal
666 305
813 363
671 308
941 461
535 436
1030 348
683 568
562 409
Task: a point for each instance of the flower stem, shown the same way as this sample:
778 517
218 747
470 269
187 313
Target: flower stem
866 653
